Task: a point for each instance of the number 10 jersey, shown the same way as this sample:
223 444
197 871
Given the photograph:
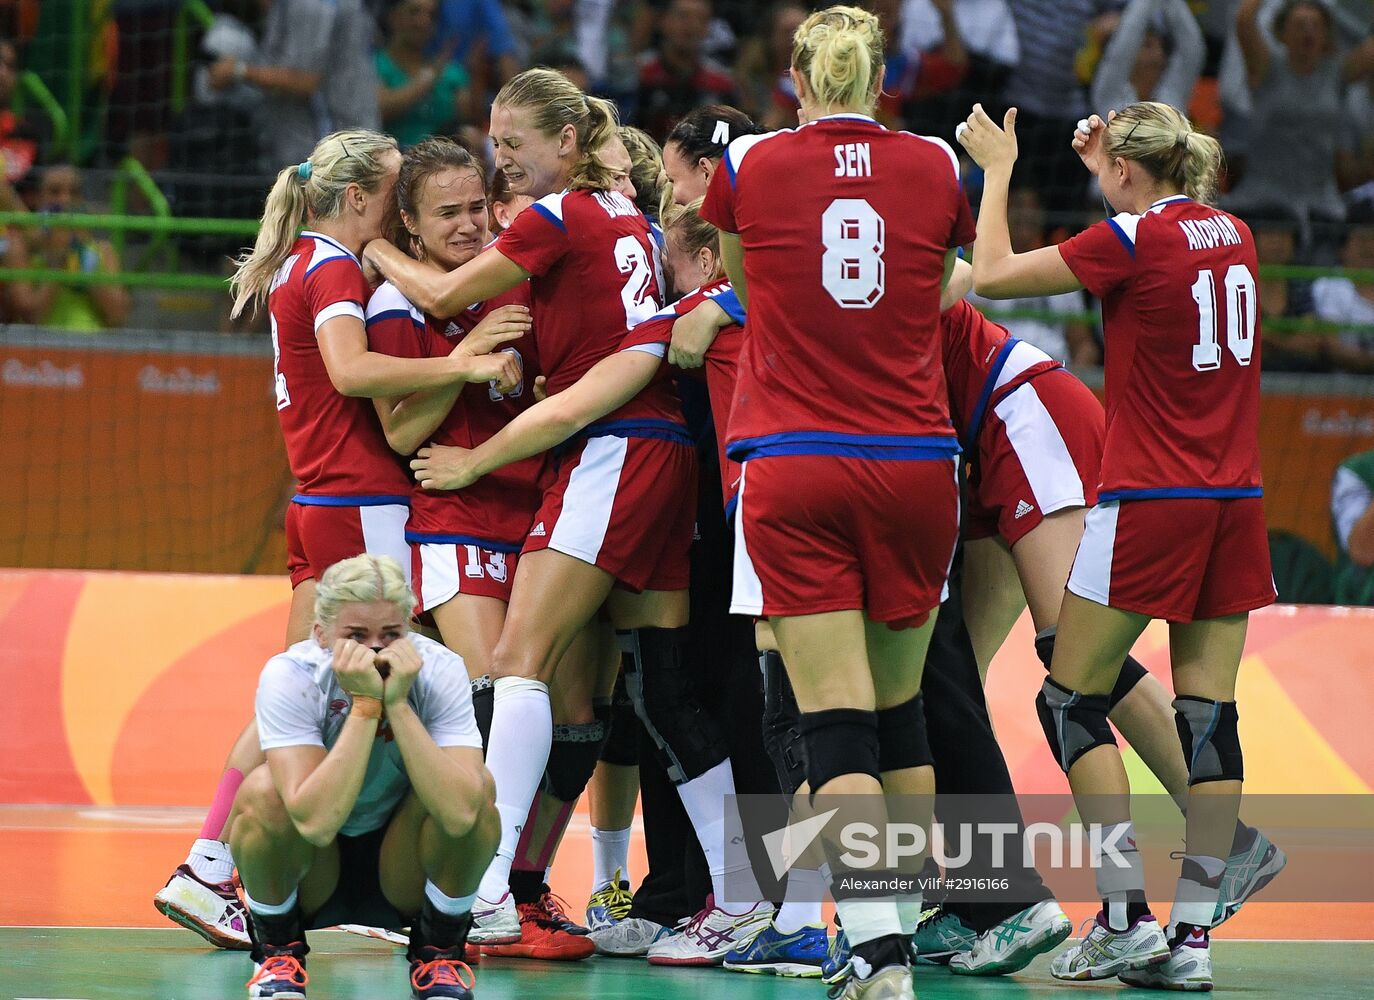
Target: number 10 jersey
845 226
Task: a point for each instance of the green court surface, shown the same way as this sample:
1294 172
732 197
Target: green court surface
112 964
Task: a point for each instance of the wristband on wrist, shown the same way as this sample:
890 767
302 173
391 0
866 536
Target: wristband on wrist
366 707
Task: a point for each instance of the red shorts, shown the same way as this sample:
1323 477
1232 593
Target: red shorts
627 505
1180 560
817 533
443 570
318 536
1039 451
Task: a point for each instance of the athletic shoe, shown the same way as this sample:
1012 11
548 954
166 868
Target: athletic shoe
543 935
437 975
495 923
940 936
837 964
710 935
212 911
1189 968
892 983
800 953
553 907
1247 872
630 938
1013 944
610 904
1105 953
472 954
280 975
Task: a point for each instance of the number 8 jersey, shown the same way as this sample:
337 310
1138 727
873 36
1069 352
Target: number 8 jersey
846 226
1180 309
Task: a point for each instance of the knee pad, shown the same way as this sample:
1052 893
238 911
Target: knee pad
572 759
1074 723
902 739
1210 736
1044 645
483 702
1131 669
689 741
782 739
839 741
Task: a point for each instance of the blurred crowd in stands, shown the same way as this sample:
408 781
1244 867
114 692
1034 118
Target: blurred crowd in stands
1288 86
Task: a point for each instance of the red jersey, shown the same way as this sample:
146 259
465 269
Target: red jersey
721 363
983 362
1180 311
495 512
846 226
334 442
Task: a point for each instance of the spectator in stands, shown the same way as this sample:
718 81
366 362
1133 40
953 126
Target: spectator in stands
1066 339
1297 125
1155 54
678 77
960 52
86 308
1044 86
478 37
1341 300
766 92
23 137
420 95
611 34
315 69
1352 519
1277 244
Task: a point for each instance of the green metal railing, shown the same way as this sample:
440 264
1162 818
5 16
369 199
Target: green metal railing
191 11
31 86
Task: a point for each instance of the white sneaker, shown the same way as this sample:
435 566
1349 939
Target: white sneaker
1015 942
212 911
629 938
1104 953
1189 968
495 923
710 935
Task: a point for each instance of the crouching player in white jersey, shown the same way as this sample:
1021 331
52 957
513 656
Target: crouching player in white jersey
374 805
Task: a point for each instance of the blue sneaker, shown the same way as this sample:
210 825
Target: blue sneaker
800 953
837 964
940 936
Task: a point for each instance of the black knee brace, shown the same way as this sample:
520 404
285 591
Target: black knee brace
1132 671
483 702
1210 736
689 741
572 759
782 739
621 746
902 739
1074 723
839 741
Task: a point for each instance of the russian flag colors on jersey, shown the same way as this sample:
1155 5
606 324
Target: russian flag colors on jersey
1180 307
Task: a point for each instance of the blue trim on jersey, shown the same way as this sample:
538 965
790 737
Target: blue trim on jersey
1183 493
397 314
729 301
875 446
985 396
730 508
660 430
549 215
438 538
729 167
316 500
1121 235
332 242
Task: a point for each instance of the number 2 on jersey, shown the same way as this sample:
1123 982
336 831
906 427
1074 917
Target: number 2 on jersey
1240 303
852 268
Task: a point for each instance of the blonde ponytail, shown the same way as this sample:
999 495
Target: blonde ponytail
554 103
311 190
839 51
1163 141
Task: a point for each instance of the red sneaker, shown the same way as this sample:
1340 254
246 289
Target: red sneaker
543 935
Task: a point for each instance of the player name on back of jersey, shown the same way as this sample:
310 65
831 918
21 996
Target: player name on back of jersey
1210 233
853 159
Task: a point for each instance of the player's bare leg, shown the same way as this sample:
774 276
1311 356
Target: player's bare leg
992 597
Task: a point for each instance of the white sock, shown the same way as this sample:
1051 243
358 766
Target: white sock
610 853
211 861
451 906
517 753
1195 901
704 797
1114 883
801 901
270 909
868 919
909 907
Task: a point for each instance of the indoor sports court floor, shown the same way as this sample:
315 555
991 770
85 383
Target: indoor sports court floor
71 927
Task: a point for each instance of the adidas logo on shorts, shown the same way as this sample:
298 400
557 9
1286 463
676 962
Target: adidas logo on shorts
538 531
1022 509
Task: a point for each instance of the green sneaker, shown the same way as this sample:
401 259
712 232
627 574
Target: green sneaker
940 936
1013 944
1247 872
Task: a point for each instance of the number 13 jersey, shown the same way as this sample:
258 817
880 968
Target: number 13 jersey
1180 311
845 226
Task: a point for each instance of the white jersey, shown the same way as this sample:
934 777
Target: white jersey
300 703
